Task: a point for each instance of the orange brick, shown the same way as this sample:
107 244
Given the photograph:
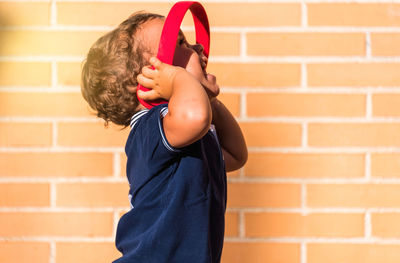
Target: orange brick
253 14
91 134
385 165
304 165
56 224
24 73
231 101
350 253
224 44
275 75
231 224
98 13
306 44
256 252
15 194
24 14
86 252
354 134
23 251
69 73
233 174
276 104
386 105
221 44
293 224
353 14
263 195
34 43
15 134
43 104
93 194
385 44
246 14
56 164
273 134
350 74
353 195
123 164
386 225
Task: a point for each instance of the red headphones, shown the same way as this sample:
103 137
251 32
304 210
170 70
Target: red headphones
169 36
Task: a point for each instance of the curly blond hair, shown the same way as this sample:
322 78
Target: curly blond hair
111 67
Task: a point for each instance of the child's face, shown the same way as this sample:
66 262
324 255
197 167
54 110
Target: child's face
188 56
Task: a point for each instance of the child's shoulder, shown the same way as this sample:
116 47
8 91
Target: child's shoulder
144 117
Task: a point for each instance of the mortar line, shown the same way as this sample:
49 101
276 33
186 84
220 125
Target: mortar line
304 16
234 59
298 210
53 14
117 165
54 75
54 134
304 137
367 167
304 84
242 227
369 105
303 198
286 150
243 45
367 225
226 89
53 251
368 49
53 194
303 252
216 29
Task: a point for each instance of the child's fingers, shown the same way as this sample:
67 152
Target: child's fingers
148 72
155 62
145 82
148 95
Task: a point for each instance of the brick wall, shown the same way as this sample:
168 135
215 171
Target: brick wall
314 84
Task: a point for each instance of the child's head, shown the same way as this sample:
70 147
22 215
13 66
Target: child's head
109 72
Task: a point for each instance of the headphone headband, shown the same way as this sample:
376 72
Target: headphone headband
169 36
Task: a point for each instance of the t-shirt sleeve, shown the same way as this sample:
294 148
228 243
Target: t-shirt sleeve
147 148
164 112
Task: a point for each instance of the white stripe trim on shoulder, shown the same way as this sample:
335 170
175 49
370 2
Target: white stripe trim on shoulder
137 116
164 112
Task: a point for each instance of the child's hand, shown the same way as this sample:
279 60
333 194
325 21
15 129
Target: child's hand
160 80
211 86
209 81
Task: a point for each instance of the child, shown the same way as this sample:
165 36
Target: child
176 164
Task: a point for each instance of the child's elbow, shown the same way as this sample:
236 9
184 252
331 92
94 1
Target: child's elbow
241 158
235 161
199 120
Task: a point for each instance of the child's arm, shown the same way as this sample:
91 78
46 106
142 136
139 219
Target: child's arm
230 136
189 112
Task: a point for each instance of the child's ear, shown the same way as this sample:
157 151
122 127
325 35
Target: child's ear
131 88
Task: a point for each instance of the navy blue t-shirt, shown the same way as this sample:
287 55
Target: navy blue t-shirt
178 196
